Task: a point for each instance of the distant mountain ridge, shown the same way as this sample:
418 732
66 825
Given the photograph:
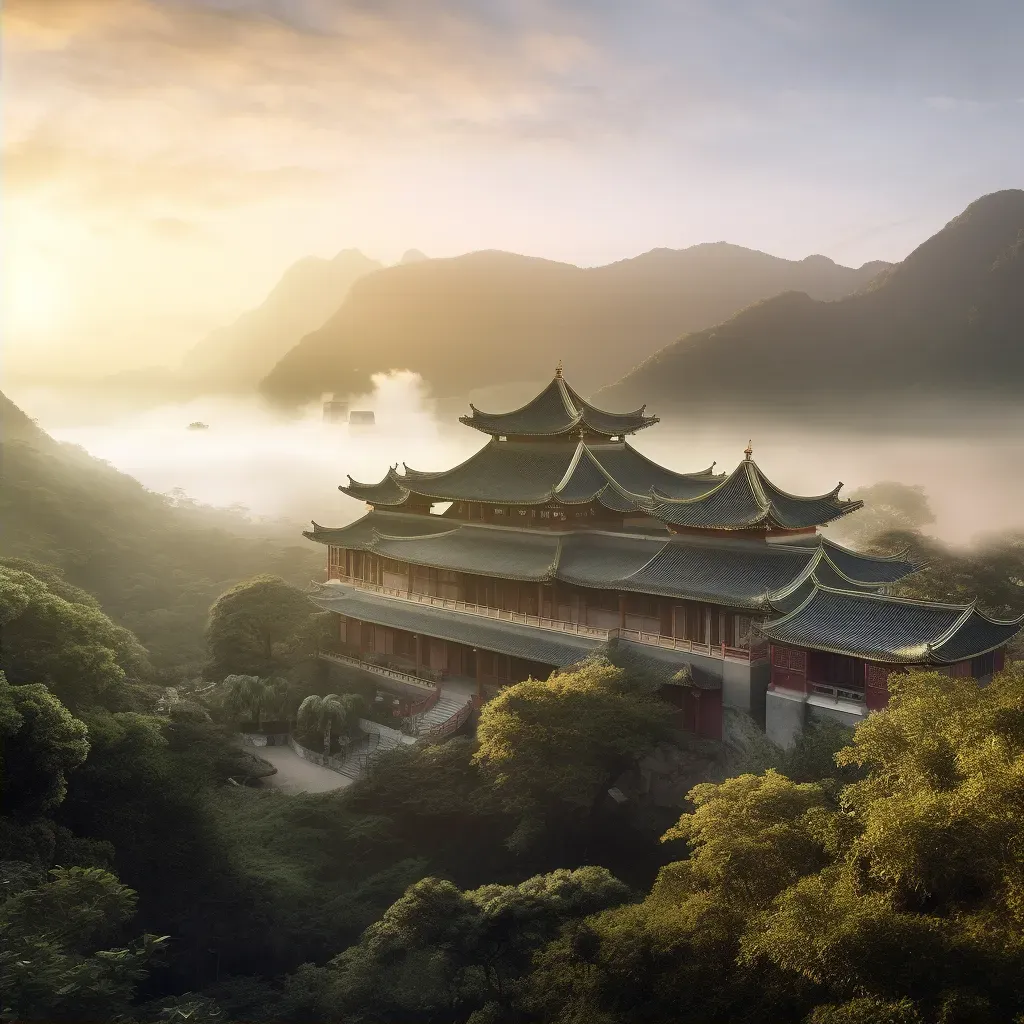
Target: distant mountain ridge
240 354
485 318
947 321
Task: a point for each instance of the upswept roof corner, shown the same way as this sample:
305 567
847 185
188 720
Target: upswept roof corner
558 409
747 498
889 629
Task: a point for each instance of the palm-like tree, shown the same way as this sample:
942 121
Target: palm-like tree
317 712
251 694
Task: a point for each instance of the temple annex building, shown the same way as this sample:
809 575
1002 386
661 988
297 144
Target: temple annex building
560 540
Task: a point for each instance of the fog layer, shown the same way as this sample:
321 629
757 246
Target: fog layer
290 468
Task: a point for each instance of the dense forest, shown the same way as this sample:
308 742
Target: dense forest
867 877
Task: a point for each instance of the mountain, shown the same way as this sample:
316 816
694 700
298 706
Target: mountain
156 566
413 256
943 328
308 293
490 318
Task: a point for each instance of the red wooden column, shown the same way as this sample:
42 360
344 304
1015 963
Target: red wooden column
479 677
622 611
419 651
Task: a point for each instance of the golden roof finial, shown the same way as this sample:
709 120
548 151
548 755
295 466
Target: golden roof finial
749 450
558 369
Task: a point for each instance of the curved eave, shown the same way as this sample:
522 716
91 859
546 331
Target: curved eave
841 557
970 634
578 413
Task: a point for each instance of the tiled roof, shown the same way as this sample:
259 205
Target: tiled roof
529 473
747 498
508 554
558 409
864 568
735 573
544 646
889 630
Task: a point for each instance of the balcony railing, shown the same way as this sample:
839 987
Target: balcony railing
837 692
755 652
381 670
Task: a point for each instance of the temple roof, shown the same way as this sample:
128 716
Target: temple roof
735 573
746 498
558 409
614 475
890 630
524 473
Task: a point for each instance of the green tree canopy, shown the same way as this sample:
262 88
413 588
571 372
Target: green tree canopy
440 952
897 897
83 657
251 695
554 747
41 743
61 956
260 627
329 714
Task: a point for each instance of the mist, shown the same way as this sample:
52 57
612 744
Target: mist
277 467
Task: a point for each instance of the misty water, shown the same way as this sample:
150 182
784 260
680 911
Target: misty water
283 467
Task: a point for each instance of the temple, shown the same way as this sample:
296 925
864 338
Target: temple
558 540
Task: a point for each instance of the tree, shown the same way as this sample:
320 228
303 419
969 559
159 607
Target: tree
252 695
897 897
551 749
888 506
324 714
440 952
58 960
81 656
41 743
260 627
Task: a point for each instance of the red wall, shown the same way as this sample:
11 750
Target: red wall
789 668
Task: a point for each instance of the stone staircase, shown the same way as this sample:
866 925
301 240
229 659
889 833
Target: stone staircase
447 707
372 745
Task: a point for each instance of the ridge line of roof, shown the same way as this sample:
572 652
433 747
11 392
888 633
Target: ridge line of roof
834 493
890 599
850 579
897 557
962 621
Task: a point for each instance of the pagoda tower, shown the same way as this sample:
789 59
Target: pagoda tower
558 540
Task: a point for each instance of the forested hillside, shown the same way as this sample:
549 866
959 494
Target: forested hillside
488 318
942 327
154 566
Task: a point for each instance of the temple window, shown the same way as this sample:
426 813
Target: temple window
835 669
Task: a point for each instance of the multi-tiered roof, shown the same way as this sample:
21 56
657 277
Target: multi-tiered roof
558 450
650 530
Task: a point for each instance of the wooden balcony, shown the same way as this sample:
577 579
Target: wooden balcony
756 652
837 693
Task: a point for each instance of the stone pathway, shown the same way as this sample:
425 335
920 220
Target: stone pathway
294 775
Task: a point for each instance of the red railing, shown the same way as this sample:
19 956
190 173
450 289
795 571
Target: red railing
420 707
456 722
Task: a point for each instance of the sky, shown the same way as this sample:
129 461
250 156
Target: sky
164 161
